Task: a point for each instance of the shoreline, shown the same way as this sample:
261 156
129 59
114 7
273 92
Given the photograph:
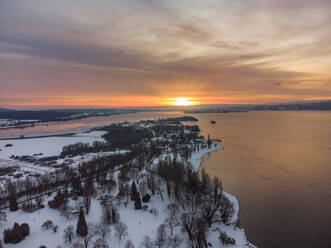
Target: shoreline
231 197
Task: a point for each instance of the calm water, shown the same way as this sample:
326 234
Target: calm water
278 164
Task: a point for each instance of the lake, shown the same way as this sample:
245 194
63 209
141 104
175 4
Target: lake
278 164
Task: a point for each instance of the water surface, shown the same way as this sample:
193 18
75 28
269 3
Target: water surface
278 164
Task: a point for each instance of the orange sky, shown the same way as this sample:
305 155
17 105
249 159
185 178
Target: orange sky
147 53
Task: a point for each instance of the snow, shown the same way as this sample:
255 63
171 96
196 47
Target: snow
90 156
7 123
49 146
196 157
140 223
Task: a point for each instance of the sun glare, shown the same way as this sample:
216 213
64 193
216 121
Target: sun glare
184 101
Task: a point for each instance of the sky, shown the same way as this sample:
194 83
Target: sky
107 53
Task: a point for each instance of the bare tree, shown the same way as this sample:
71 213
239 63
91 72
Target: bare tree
129 244
171 220
199 235
3 217
91 233
175 241
161 236
67 211
121 230
154 212
69 233
158 187
100 243
77 244
188 224
147 242
102 229
143 187
209 210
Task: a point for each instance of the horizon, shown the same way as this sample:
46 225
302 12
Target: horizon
155 53
156 108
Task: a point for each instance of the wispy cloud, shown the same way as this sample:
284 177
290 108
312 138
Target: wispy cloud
241 50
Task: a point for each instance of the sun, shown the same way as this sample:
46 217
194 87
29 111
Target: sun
183 101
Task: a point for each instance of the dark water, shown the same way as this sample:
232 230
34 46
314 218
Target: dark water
278 164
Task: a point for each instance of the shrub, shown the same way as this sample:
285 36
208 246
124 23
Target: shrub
16 234
225 239
30 207
57 201
25 229
48 224
146 198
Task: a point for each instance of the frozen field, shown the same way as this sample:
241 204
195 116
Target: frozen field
48 146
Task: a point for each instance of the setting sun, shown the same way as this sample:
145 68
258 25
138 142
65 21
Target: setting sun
183 101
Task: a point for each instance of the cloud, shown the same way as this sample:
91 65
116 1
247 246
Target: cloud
246 50
189 32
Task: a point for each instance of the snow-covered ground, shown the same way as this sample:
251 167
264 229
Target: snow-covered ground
140 223
49 146
196 157
44 147
7 123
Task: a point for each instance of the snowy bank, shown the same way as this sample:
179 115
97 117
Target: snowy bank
196 157
232 230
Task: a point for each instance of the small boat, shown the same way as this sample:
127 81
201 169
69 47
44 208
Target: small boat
213 122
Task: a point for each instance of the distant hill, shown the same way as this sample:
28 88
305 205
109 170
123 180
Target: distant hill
307 105
6 110
320 105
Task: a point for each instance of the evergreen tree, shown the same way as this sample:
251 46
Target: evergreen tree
114 215
81 225
205 179
168 189
133 192
209 141
76 185
13 206
137 202
107 216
